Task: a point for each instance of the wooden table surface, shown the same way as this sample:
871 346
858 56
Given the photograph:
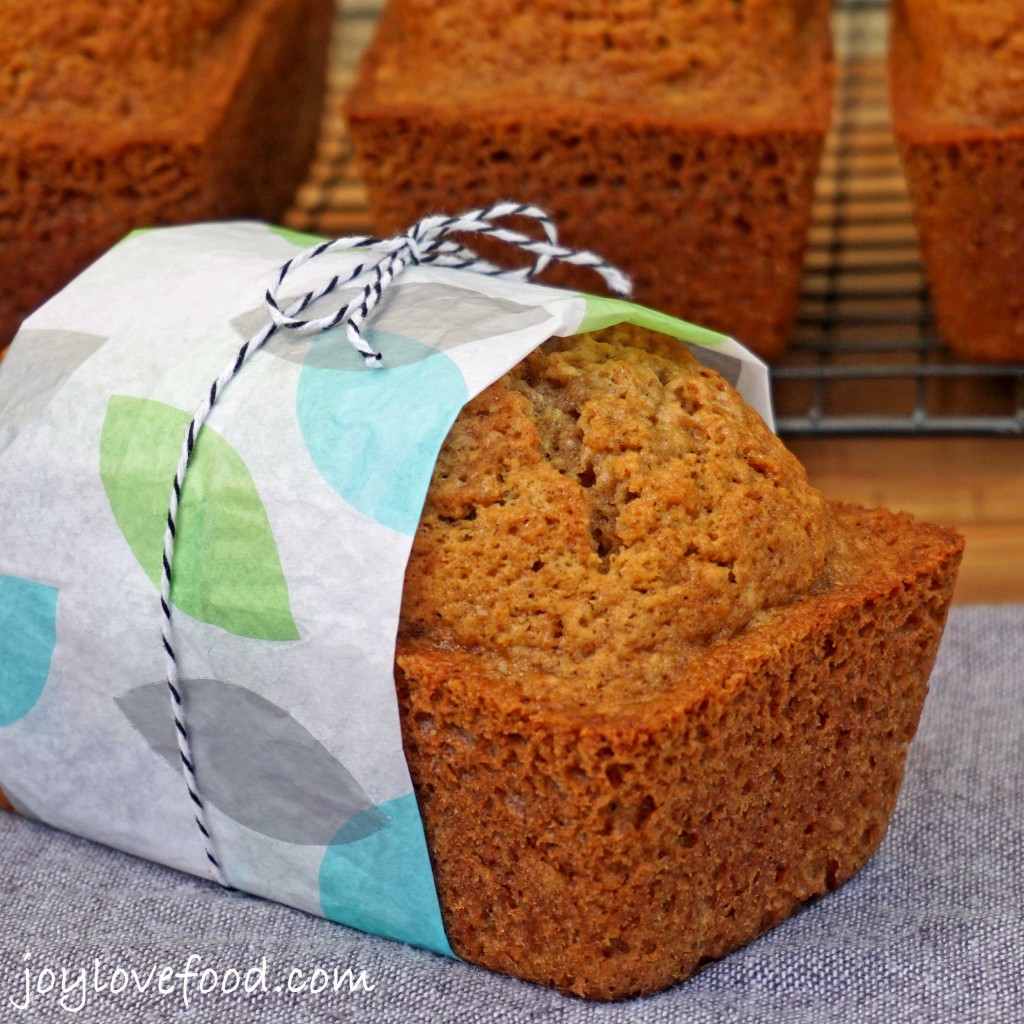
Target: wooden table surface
974 484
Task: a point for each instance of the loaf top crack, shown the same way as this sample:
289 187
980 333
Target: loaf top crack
604 509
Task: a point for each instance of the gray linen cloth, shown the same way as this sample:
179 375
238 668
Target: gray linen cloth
932 930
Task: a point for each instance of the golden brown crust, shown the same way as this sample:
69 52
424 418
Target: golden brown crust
754 61
612 809
618 503
613 850
678 174
959 62
958 111
53 56
184 113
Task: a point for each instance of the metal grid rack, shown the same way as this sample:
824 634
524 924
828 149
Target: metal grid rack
865 357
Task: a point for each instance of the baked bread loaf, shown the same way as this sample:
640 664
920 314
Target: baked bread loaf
656 692
957 78
681 141
144 112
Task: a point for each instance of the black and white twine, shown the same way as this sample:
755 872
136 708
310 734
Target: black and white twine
428 241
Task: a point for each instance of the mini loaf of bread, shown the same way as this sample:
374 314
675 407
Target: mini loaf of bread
144 112
679 140
656 692
957 74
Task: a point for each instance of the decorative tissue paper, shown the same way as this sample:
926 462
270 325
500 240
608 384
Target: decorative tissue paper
292 534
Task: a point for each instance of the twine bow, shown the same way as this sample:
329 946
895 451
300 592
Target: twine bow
428 241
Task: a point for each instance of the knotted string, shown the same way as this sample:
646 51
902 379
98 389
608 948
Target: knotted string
427 242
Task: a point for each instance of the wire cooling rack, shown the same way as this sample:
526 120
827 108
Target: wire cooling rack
865 357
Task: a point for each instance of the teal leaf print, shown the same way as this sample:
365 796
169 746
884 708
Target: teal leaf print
382 882
28 635
374 434
227 570
255 762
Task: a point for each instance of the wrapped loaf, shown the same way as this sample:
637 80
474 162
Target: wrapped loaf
624 692
656 691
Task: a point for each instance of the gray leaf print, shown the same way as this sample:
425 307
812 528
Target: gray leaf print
254 762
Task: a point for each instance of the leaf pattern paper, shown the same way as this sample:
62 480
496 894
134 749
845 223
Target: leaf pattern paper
603 311
380 464
381 881
256 763
28 635
227 570
450 317
302 239
39 363
14 804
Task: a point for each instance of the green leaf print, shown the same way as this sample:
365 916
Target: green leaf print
602 311
226 566
302 239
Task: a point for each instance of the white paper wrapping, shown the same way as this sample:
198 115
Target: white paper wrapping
293 534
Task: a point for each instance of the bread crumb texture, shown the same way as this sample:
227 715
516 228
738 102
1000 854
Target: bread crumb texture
655 692
956 69
604 507
679 140
137 113
750 58
965 60
54 58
